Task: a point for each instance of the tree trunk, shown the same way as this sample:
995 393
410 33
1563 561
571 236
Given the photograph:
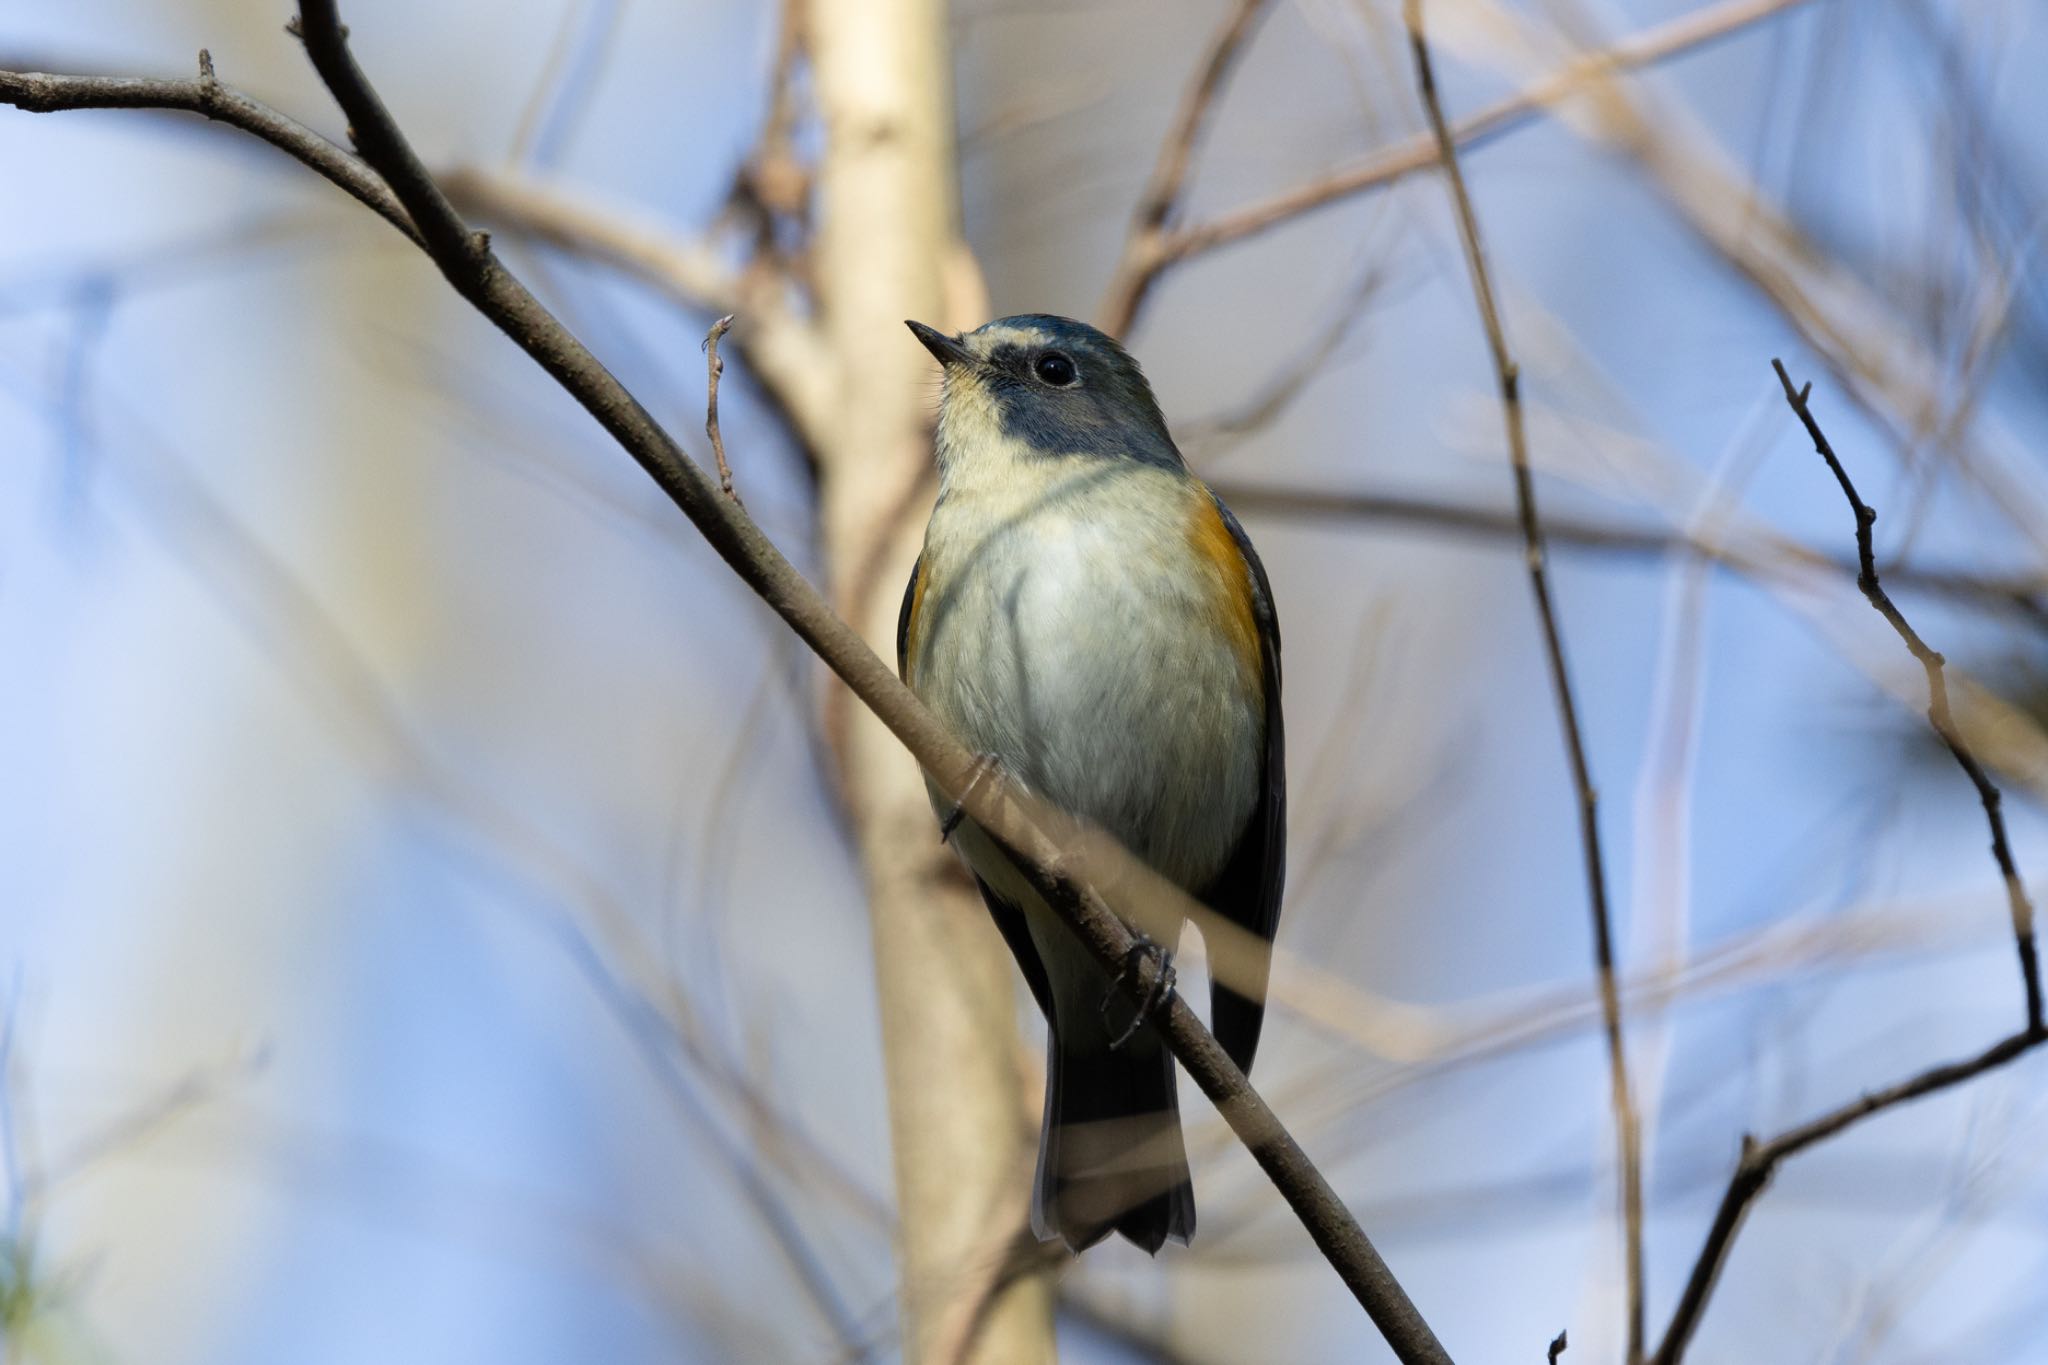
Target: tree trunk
960 1128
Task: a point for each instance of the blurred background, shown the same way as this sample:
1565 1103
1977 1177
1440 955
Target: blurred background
439 906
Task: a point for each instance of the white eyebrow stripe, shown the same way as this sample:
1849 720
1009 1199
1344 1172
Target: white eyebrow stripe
1015 336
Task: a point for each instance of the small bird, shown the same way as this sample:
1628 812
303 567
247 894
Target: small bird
1089 616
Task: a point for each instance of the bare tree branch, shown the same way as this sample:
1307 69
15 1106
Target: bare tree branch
1628 1133
1161 197
1886 367
1141 269
1760 1160
2019 594
1938 713
1080 872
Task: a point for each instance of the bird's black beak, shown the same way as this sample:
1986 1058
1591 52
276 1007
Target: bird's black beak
948 350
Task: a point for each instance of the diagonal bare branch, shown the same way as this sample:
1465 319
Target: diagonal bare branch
1939 715
1760 1160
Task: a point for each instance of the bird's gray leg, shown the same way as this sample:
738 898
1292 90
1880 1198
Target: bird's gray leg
985 767
1157 994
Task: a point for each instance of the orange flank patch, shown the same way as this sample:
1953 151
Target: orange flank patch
916 619
1209 537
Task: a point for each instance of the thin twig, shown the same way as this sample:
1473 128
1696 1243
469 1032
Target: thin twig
1139 271
1161 197
713 368
1628 1134
1076 869
1760 1160
1939 716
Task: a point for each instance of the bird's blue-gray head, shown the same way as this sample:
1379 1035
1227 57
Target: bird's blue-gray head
1047 386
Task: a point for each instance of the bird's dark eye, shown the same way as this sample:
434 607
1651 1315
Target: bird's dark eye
1055 368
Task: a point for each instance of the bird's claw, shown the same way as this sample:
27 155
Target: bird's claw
985 766
1157 995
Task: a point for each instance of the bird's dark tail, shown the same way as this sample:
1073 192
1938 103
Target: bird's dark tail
1110 1158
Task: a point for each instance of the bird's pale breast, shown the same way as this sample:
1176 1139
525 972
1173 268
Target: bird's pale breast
1080 621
